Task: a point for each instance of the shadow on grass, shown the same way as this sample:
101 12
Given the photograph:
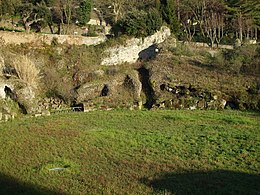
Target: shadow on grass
215 182
11 186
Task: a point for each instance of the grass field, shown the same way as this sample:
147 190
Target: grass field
132 152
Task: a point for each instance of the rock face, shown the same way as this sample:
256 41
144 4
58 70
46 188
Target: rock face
164 82
134 49
189 86
16 96
123 91
181 96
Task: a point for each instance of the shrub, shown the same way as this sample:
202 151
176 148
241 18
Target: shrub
56 85
26 70
244 59
92 31
138 23
84 11
167 9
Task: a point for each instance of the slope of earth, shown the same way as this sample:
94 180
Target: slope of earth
194 78
54 77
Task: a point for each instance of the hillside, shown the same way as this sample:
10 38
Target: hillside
38 79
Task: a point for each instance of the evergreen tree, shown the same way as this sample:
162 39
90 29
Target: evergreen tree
138 23
84 11
168 11
245 16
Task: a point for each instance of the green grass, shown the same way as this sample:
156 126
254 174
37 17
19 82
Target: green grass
132 152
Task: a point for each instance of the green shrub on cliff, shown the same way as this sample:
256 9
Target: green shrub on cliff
244 59
84 11
138 23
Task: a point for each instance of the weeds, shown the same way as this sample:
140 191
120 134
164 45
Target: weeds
26 70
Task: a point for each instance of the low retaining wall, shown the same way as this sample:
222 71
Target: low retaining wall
18 38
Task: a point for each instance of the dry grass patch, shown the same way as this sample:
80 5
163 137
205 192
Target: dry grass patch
26 70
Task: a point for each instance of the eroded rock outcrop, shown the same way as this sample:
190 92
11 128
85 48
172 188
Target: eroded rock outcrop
133 49
17 86
122 91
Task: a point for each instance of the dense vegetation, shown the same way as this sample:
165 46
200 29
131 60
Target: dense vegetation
132 152
212 21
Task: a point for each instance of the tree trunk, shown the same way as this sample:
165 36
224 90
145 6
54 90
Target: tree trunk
59 29
240 27
51 29
178 10
27 27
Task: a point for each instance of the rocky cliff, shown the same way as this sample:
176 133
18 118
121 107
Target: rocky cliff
135 49
158 75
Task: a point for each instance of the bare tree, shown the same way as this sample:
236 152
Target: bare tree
210 26
220 28
188 22
214 21
117 6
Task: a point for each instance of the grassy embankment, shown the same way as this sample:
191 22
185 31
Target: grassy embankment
136 152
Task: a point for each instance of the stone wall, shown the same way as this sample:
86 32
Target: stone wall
206 45
19 38
130 52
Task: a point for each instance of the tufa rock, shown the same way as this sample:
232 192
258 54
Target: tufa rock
46 113
130 52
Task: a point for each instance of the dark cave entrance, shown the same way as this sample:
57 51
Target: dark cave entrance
12 95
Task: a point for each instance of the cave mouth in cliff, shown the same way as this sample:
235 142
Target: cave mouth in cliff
162 87
104 91
12 95
148 53
147 89
9 93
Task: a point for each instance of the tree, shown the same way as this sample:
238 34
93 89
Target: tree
139 23
168 11
214 21
67 10
62 13
245 16
188 22
84 11
8 7
111 10
30 14
58 16
114 10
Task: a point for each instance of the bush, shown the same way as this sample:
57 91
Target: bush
167 9
84 11
138 23
243 59
25 70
